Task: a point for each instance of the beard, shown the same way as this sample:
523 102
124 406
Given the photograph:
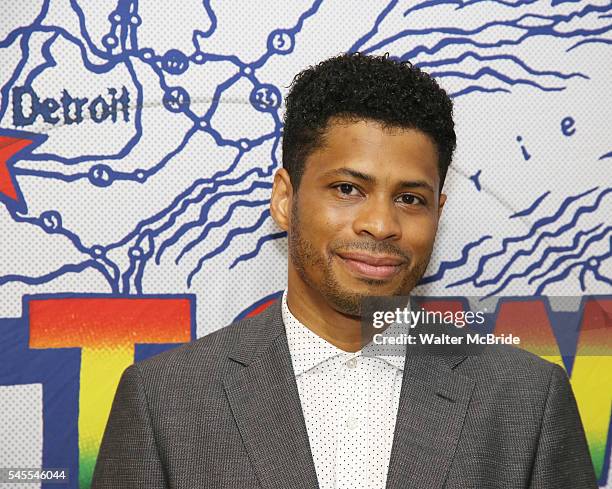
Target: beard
305 257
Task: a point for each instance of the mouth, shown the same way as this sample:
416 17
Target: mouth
380 267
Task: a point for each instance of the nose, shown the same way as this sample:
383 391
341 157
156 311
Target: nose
377 217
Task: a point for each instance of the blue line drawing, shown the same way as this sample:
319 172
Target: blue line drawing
532 207
486 59
449 265
476 179
230 185
540 240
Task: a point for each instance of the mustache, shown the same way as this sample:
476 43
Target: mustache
374 247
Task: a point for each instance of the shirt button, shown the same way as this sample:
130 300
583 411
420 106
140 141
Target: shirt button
351 423
351 363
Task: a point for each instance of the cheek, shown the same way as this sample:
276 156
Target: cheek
324 223
419 235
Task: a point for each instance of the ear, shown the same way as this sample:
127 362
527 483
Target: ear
281 200
441 202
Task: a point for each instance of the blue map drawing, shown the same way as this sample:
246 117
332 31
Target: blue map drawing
549 263
155 130
476 57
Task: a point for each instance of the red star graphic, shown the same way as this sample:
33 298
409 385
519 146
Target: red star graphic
11 143
8 147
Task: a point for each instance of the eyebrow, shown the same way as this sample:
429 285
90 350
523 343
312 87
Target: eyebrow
372 180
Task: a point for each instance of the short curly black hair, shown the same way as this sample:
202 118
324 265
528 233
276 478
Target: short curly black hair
358 86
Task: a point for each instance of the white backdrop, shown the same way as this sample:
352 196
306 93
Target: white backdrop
152 133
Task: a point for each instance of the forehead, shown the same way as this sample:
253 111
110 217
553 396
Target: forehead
370 146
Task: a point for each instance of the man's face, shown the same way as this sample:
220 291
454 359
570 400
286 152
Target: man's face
364 219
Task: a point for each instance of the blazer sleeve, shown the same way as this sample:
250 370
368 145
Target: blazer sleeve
562 457
129 457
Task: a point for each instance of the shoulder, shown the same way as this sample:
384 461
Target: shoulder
207 357
514 387
509 365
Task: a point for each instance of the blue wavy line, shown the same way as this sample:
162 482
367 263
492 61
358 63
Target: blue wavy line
50 174
507 42
589 41
48 63
497 57
25 55
581 278
449 265
213 20
142 261
260 242
215 224
546 234
36 221
83 30
461 5
185 201
205 209
559 261
374 30
226 242
132 176
161 214
189 201
495 74
94 68
547 252
517 239
75 240
125 280
134 29
473 88
601 278
162 163
501 2
232 80
447 30
137 263
213 57
565 273
11 36
527 252
532 207
531 31
292 30
70 268
431 3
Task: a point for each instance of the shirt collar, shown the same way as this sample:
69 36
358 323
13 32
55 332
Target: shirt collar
308 349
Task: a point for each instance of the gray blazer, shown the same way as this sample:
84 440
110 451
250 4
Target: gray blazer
224 412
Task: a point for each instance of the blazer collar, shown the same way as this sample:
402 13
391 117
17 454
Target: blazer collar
257 334
265 402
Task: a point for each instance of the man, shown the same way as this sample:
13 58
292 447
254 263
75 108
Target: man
286 399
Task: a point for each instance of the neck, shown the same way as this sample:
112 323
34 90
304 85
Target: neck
313 311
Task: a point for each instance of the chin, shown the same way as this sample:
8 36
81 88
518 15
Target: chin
373 288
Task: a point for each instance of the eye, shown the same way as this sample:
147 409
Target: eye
410 199
347 189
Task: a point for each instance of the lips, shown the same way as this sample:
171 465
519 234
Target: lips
371 266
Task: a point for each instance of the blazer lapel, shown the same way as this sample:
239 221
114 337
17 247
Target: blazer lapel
433 405
265 402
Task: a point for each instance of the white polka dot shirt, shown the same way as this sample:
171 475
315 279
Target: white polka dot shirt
350 403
